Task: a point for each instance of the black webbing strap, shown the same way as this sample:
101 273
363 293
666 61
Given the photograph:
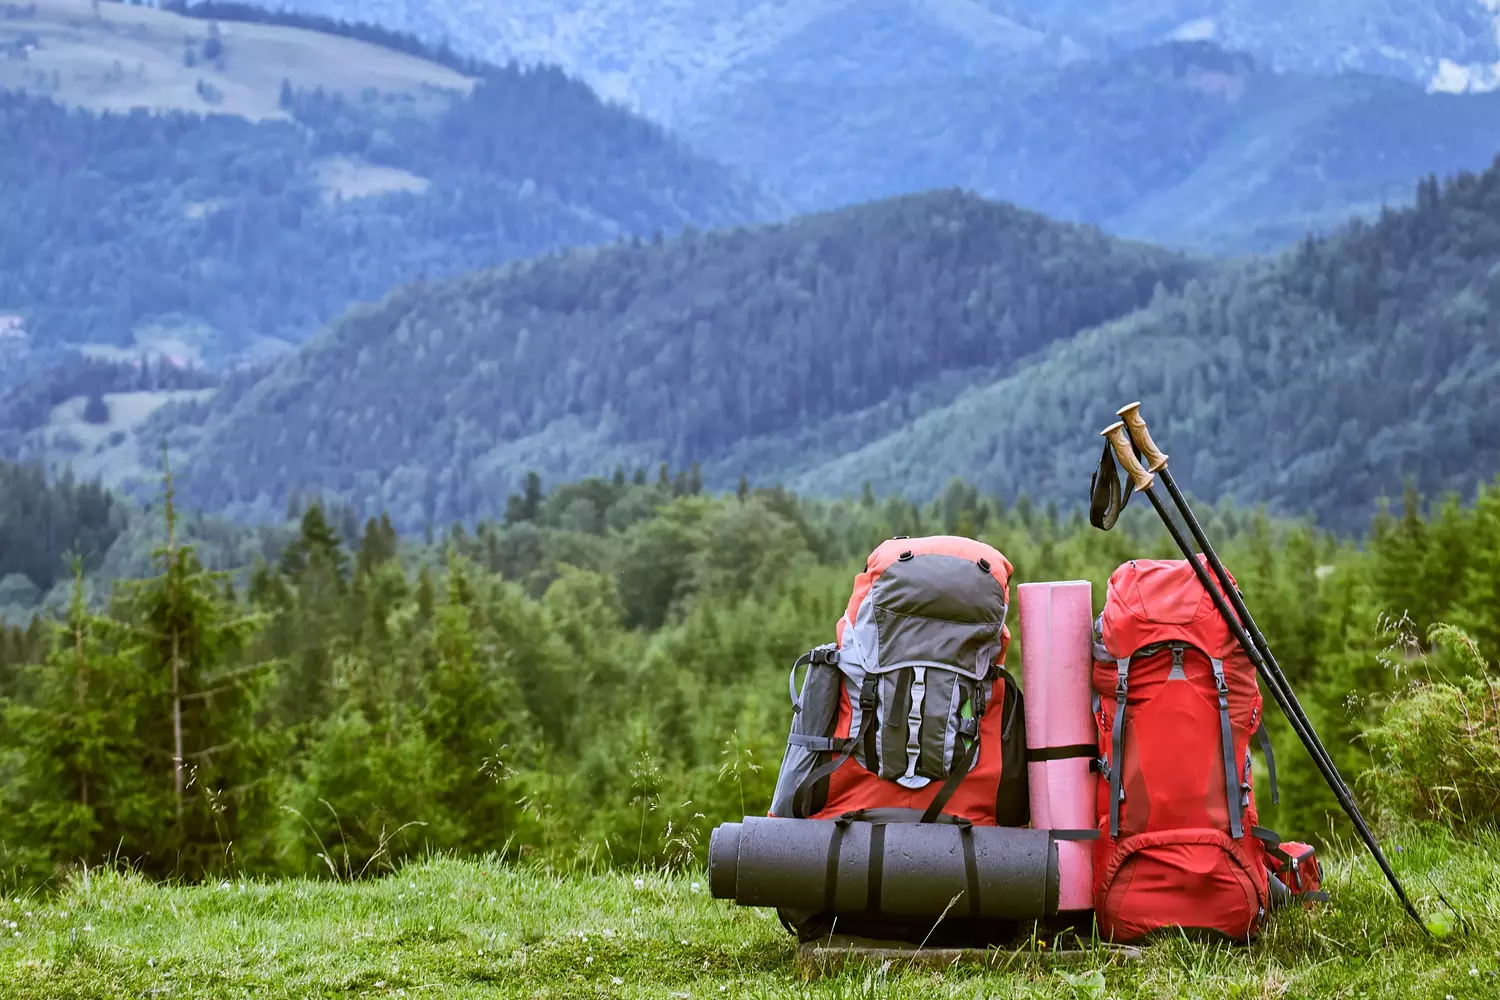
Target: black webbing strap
877 867
971 870
831 877
1117 743
1272 840
1264 738
816 744
935 807
867 697
1226 732
1089 834
1266 836
869 694
1039 754
969 728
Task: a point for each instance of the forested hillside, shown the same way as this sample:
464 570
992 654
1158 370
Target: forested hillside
215 234
43 523
1316 381
1185 144
787 342
49 522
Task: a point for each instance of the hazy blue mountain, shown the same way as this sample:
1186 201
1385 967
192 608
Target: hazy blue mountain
1087 111
1440 43
1183 143
663 55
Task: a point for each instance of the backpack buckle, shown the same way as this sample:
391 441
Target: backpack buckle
826 655
1221 680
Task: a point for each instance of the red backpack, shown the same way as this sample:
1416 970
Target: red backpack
1177 704
911 714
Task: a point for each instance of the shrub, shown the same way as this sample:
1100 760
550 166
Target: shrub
1436 748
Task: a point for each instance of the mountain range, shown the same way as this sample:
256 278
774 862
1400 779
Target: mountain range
664 56
1225 127
1184 143
897 345
415 277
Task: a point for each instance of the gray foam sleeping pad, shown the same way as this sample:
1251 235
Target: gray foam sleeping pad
914 869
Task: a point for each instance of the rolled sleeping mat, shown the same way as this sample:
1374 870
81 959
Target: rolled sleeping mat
1061 736
896 869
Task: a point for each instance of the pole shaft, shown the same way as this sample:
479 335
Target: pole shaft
1289 703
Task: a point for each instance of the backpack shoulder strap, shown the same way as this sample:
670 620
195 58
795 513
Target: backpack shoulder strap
1226 733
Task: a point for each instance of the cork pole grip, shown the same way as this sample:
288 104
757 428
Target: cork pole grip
1139 477
1156 459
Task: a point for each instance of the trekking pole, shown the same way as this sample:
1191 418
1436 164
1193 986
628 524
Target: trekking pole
1155 461
1145 482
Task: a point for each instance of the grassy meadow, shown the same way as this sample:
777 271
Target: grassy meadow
447 928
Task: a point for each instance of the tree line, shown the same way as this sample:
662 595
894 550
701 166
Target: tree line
596 679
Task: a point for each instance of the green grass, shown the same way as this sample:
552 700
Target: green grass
463 929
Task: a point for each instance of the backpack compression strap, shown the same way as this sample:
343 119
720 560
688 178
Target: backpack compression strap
1117 746
868 695
1264 738
970 728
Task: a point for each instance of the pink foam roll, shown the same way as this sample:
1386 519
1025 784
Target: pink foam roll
1056 673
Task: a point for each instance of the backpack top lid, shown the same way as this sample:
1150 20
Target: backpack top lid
1160 600
940 597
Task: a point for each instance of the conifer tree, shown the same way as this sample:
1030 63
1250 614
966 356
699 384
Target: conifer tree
1480 598
473 713
196 719
78 768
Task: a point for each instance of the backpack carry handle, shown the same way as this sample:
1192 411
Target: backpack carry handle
1241 624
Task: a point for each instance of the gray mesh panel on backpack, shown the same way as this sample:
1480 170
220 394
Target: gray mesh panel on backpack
931 627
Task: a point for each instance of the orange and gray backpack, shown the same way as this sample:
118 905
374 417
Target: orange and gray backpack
911 715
